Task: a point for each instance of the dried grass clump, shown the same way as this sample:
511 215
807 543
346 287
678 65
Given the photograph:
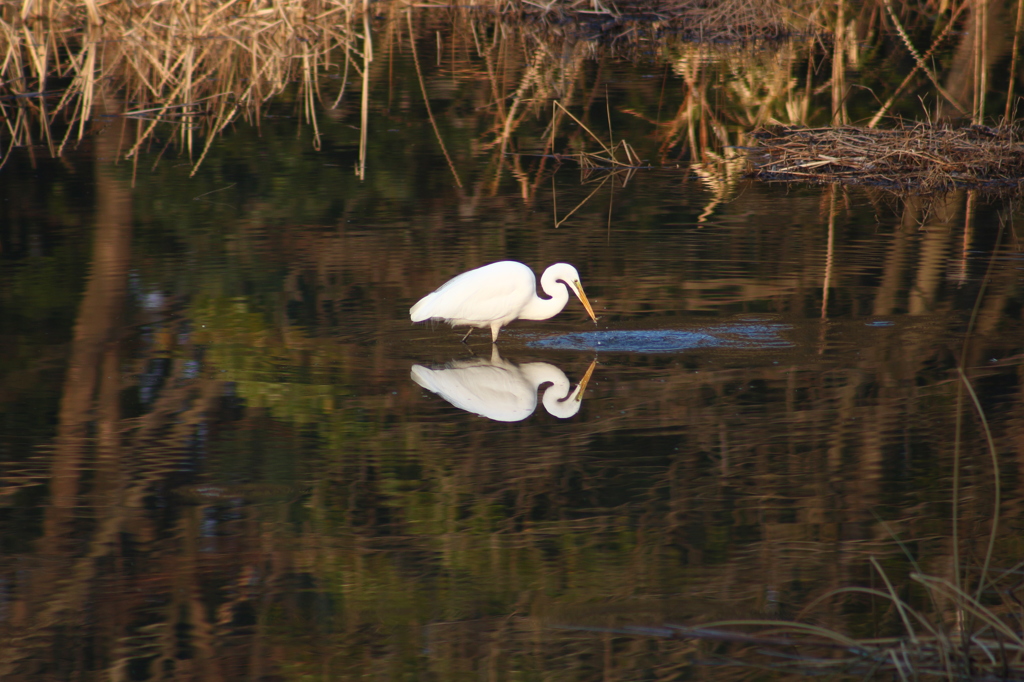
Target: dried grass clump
616 21
920 158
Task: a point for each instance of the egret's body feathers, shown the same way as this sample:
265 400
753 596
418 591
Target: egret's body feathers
495 294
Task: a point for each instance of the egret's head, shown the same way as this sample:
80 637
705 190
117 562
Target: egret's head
563 272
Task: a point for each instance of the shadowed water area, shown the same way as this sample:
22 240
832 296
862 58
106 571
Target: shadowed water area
226 452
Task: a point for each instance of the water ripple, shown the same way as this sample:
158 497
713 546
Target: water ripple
745 336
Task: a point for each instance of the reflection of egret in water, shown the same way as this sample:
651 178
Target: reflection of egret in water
501 390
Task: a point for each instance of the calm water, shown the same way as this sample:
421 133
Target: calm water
226 453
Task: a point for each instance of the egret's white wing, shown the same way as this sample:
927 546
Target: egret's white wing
494 292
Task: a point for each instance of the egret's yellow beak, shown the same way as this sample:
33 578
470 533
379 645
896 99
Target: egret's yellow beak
584 301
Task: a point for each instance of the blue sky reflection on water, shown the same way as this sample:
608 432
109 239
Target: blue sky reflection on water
748 335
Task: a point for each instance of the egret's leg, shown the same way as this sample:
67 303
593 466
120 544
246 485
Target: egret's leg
495 328
467 335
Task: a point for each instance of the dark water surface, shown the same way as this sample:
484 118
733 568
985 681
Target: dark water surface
226 453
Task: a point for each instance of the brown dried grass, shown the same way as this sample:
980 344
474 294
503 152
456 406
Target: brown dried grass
921 158
199 64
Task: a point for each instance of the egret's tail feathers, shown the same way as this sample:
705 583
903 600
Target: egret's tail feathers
421 311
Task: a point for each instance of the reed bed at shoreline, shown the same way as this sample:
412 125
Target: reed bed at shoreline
920 157
200 66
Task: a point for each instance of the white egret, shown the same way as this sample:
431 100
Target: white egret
495 294
501 390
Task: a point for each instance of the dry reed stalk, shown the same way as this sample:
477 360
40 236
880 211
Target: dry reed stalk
919 60
980 35
1013 60
880 114
364 99
591 161
426 99
921 157
839 88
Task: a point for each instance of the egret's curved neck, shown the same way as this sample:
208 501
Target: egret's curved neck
544 308
557 399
